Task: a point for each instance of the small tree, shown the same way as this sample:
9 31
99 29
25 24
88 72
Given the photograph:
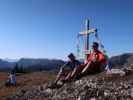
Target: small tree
19 69
16 68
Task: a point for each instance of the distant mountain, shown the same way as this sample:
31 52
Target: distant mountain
31 64
122 60
5 65
10 60
40 64
119 61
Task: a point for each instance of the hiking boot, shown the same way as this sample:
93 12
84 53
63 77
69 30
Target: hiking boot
51 85
61 82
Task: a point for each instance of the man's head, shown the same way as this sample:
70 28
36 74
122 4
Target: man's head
71 57
95 46
12 72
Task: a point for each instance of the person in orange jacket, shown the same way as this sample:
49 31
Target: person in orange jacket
96 62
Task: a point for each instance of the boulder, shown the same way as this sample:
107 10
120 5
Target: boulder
117 72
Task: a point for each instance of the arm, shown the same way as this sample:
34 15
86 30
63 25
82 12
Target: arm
59 75
86 67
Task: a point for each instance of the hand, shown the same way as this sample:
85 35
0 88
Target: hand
94 59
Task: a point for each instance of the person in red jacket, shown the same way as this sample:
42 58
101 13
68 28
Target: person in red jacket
95 63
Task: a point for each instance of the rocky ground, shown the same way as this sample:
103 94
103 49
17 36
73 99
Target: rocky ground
94 87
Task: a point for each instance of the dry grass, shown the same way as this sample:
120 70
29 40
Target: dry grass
30 79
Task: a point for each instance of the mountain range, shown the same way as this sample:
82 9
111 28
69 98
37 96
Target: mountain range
125 59
34 64
122 60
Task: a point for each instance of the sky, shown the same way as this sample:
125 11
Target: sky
48 28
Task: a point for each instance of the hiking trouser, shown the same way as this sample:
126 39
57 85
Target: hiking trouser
63 73
93 68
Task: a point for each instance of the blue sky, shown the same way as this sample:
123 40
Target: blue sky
48 28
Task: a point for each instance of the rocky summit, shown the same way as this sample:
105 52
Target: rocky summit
92 87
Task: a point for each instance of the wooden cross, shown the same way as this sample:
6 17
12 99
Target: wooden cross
86 34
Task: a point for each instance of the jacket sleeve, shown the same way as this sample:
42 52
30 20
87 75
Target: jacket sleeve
102 58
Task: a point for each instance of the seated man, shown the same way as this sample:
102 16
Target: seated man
95 63
66 70
12 79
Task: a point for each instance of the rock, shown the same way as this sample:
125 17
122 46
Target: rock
106 93
93 98
132 92
117 72
128 70
81 98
